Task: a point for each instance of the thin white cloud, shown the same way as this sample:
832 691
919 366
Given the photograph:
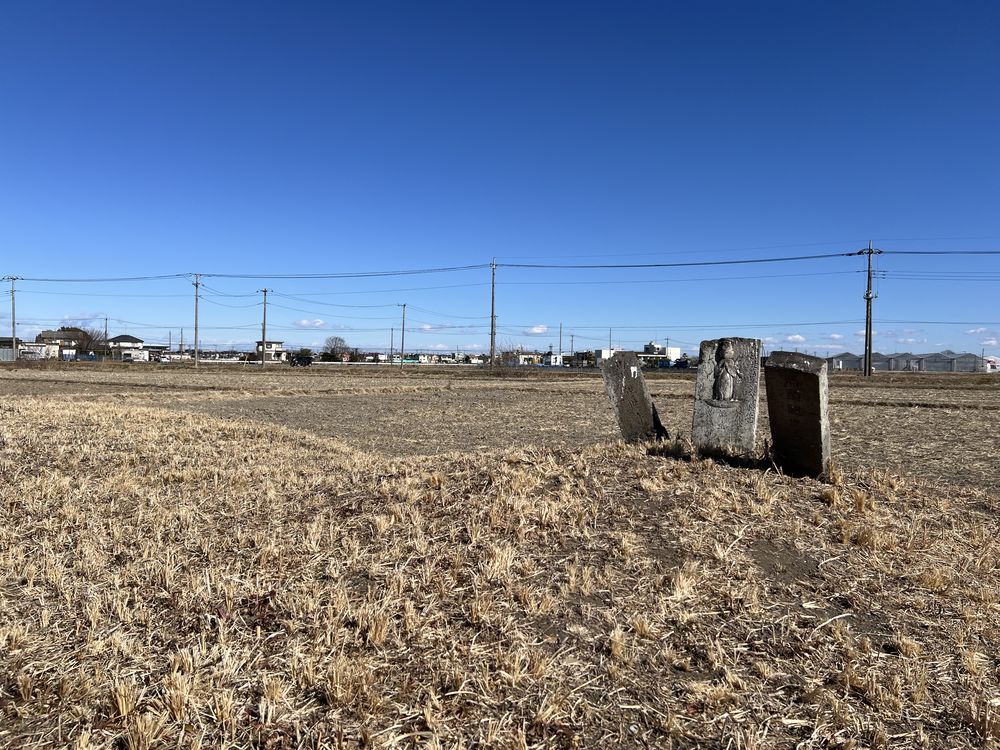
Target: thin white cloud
910 340
536 330
306 323
835 336
991 341
81 318
770 340
975 331
795 338
426 327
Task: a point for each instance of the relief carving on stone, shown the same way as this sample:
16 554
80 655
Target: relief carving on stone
727 373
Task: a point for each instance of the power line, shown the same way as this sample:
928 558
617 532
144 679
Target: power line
107 279
348 275
320 312
695 252
686 264
328 304
940 252
671 281
223 304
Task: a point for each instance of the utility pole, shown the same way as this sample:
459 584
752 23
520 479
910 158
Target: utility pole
493 312
868 309
170 339
609 342
263 330
560 344
181 345
392 343
13 316
572 345
197 283
402 340
107 346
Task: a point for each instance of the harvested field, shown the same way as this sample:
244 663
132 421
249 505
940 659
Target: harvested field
363 559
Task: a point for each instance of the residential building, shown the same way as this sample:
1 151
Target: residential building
602 354
124 343
658 356
552 360
273 351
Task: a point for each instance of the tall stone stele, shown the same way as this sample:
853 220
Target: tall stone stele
797 389
634 409
725 396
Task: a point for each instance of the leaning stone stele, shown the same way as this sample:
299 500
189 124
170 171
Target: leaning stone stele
797 389
634 409
725 396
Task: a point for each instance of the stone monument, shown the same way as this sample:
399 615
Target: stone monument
797 407
634 409
725 396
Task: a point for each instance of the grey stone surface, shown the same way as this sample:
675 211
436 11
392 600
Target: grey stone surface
797 391
725 396
633 407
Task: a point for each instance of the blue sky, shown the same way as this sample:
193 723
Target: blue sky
263 138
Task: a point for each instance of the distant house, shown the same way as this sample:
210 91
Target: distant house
124 342
525 358
602 354
654 355
69 338
272 351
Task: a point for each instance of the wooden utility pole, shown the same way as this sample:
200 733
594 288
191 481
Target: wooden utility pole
197 283
263 331
402 340
560 345
13 317
493 312
392 343
869 296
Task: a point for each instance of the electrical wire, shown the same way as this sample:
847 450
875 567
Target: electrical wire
685 264
107 279
671 281
347 275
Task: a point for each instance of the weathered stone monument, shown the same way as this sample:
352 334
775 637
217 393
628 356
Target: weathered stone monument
634 409
797 408
725 396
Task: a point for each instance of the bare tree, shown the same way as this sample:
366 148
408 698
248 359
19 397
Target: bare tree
91 339
87 339
335 345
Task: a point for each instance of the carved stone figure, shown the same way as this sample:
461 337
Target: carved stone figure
726 393
727 372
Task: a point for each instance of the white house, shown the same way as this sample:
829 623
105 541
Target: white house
602 354
274 351
124 343
552 360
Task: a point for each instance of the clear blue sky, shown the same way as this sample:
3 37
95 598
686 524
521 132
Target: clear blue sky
247 137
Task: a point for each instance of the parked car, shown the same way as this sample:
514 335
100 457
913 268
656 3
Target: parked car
301 360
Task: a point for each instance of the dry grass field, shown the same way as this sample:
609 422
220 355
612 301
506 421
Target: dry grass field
346 558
